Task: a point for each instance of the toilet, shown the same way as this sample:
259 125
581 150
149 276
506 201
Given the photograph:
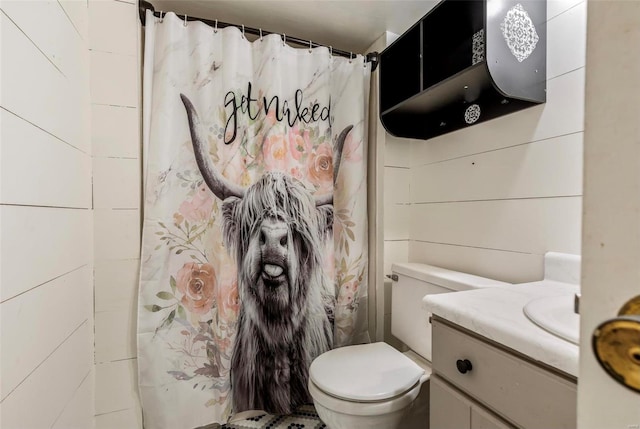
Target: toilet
373 386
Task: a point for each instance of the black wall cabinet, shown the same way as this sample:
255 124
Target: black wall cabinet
463 63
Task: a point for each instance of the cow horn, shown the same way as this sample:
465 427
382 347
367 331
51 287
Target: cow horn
218 184
328 199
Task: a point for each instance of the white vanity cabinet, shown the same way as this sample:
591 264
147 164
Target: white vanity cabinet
477 384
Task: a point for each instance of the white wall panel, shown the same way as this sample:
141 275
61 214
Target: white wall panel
568 50
116 183
77 11
115 131
116 386
114 79
56 308
556 7
117 234
563 113
103 15
116 334
39 244
40 170
395 251
397 152
42 397
116 284
130 419
34 89
40 19
546 168
529 225
396 221
78 413
396 185
494 264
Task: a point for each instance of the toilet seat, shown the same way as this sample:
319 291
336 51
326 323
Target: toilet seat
387 406
366 373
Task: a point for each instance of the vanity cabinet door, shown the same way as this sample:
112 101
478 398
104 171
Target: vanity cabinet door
451 410
448 409
481 419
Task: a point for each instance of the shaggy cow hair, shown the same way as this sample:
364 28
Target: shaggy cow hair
277 230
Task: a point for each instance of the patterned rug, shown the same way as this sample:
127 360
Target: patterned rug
305 417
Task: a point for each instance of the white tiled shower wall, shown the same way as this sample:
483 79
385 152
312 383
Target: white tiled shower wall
493 198
46 217
115 108
69 215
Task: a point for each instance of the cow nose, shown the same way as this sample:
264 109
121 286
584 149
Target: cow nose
274 237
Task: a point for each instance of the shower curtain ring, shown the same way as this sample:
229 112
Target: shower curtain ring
215 29
260 34
185 20
331 50
161 17
310 46
243 32
350 57
284 39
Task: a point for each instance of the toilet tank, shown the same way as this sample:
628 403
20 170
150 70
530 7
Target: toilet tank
409 322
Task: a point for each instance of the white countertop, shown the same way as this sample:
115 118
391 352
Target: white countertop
496 314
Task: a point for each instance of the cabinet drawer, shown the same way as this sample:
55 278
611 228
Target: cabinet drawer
522 392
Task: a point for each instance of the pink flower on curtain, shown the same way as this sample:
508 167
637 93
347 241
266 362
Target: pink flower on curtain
347 293
199 208
276 152
197 284
229 302
299 144
295 172
320 167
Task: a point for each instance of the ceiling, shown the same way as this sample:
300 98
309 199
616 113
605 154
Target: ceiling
350 25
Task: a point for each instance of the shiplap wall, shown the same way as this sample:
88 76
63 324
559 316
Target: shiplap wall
46 240
114 30
493 198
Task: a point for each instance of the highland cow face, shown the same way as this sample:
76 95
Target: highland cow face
277 232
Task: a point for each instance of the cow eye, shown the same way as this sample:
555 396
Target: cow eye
263 239
283 240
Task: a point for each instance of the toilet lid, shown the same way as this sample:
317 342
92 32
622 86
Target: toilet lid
367 372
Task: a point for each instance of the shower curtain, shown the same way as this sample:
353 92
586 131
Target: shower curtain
254 257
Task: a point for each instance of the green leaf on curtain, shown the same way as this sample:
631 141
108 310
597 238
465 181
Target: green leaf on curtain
349 278
153 308
179 375
165 295
350 234
172 282
181 313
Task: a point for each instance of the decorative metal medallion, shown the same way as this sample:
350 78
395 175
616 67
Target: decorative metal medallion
472 114
478 47
519 32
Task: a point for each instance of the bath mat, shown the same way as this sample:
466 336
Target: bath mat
304 417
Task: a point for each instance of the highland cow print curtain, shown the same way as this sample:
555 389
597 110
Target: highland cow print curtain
254 256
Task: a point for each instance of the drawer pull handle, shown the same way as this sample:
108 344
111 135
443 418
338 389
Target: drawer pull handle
464 366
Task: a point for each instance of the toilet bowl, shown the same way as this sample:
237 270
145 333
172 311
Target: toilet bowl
373 386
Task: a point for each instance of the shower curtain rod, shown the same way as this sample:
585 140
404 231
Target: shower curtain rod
371 57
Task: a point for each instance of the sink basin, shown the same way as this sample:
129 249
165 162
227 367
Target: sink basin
555 315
